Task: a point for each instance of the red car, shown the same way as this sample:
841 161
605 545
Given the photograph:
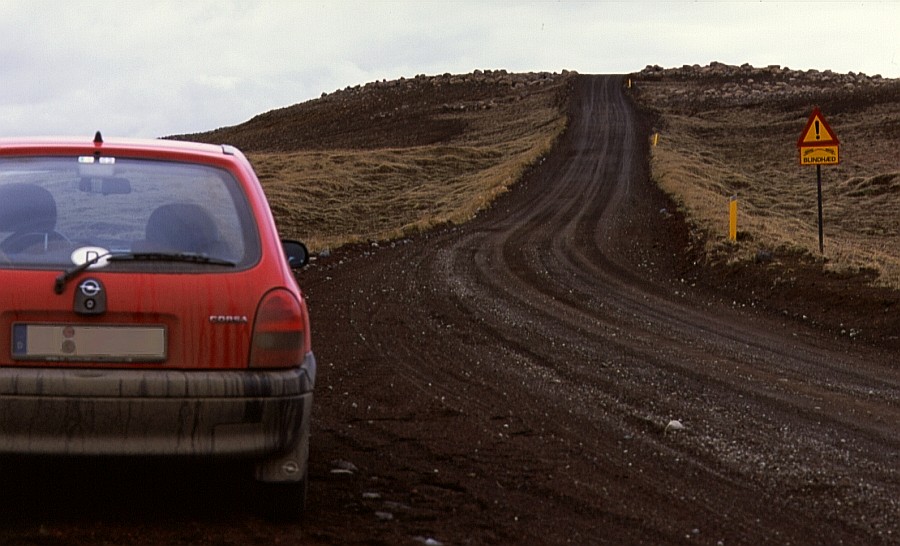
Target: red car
148 307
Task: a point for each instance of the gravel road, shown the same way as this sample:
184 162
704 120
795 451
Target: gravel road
545 374
542 375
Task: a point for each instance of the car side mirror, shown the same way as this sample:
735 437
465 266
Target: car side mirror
296 252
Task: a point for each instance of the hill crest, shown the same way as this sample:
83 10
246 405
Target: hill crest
401 113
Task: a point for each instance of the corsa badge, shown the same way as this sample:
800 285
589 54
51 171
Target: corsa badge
228 319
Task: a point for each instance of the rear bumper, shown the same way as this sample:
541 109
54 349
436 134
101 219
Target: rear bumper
252 413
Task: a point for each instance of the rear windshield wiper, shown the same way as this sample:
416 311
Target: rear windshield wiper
184 257
64 277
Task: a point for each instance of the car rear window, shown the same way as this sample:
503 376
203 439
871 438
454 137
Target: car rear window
60 211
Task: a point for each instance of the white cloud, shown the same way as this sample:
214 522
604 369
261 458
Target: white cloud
157 68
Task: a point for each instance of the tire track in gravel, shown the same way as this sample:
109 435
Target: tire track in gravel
515 377
510 381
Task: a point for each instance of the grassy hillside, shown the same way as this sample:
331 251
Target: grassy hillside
732 131
392 158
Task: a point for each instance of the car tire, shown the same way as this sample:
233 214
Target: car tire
285 502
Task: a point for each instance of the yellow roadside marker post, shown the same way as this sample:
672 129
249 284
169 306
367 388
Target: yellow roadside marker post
732 218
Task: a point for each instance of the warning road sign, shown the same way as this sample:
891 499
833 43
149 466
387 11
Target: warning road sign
817 131
818 146
819 155
818 143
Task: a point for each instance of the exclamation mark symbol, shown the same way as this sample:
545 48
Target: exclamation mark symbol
817 130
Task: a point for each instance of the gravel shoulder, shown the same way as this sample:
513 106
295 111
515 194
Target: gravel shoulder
543 375
552 372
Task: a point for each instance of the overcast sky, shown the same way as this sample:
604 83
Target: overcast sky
154 68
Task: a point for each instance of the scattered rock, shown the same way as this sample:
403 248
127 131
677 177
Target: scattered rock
674 424
727 85
343 467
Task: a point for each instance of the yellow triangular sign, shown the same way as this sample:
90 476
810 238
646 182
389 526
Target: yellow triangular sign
817 132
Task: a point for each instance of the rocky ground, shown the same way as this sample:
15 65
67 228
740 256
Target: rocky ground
794 280
385 114
748 85
564 369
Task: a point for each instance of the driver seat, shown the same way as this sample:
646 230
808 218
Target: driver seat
29 212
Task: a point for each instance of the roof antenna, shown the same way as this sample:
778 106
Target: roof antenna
98 138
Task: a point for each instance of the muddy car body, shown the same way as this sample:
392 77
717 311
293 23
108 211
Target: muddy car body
148 307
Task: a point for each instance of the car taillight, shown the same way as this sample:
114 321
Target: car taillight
280 333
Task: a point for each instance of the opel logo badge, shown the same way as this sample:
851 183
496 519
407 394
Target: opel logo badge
90 288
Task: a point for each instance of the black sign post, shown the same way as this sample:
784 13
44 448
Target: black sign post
821 230
818 146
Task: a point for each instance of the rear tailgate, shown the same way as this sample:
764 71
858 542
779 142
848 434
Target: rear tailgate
165 321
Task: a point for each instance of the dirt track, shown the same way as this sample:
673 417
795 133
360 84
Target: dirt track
512 381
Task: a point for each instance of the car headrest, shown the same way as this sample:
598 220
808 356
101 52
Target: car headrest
182 226
26 208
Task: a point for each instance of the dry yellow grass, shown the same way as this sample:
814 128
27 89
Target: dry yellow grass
334 197
705 157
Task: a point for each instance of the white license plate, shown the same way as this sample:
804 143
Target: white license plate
70 342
